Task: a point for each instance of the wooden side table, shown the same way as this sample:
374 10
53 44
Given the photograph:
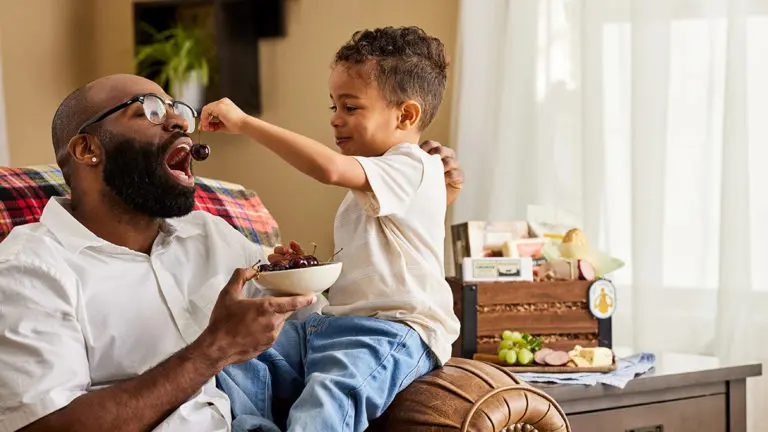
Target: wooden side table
681 393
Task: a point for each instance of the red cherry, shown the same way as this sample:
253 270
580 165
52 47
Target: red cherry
200 152
298 262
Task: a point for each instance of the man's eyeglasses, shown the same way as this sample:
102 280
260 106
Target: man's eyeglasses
155 109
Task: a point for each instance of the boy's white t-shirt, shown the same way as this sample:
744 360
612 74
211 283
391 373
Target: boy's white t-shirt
392 240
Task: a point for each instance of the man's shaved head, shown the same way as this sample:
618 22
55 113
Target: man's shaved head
93 98
72 112
88 101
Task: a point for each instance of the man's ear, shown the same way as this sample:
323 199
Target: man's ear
85 150
410 114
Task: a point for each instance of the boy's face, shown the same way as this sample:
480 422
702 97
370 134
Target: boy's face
363 122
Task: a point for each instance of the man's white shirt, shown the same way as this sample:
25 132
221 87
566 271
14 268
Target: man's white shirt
78 313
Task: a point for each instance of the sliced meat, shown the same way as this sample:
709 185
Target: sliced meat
541 355
586 270
557 358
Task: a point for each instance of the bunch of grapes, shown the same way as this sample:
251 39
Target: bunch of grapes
518 348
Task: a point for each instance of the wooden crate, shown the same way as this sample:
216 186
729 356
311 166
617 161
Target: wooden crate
557 311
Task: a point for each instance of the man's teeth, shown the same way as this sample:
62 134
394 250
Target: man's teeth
180 175
179 155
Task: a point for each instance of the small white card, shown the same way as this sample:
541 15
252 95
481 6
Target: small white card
497 269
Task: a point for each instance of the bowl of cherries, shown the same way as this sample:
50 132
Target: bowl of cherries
299 274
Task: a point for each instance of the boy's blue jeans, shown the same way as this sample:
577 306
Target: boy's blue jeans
334 372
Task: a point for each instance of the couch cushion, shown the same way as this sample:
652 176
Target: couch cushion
25 191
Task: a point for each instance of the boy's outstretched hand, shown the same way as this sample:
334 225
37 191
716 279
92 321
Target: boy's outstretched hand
222 116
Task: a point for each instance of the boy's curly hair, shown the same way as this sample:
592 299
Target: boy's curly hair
406 62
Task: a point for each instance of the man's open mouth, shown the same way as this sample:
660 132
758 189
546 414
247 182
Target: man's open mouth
178 162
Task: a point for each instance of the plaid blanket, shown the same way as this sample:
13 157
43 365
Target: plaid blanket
25 191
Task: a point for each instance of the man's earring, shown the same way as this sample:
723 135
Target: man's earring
93 159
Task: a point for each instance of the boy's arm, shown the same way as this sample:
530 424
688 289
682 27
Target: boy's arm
305 154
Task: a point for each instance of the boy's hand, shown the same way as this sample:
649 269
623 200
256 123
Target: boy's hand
284 253
222 116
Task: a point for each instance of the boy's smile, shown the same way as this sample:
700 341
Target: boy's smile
364 124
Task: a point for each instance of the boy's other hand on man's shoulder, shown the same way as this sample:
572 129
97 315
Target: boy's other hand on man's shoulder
454 175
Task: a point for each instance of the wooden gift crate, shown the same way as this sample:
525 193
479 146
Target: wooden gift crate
556 311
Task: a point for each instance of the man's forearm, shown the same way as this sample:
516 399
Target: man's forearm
140 403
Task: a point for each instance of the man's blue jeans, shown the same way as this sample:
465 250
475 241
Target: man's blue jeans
335 372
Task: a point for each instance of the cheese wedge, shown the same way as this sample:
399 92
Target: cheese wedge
580 362
591 357
597 357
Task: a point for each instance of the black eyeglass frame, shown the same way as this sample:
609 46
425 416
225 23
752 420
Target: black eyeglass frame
138 98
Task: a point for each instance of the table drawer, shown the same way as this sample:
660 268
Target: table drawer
702 414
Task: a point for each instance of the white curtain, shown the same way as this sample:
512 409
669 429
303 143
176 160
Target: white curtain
4 159
649 118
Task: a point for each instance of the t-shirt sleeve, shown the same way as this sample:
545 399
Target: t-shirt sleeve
394 178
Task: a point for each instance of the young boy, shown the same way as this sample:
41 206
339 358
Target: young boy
390 317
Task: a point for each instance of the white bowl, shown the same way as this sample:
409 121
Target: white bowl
308 280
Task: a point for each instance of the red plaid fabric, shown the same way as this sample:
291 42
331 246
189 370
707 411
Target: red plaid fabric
241 207
25 191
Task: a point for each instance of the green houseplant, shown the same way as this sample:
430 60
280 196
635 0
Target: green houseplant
177 60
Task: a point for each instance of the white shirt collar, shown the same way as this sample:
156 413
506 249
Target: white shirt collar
75 237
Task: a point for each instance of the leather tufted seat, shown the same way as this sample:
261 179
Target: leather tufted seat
467 395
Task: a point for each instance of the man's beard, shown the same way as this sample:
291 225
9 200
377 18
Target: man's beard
135 173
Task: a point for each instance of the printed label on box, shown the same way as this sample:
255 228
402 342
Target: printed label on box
498 269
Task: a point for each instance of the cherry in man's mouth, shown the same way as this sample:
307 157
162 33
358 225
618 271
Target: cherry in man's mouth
178 162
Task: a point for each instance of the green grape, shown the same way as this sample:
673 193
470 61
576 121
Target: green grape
525 356
503 355
511 357
507 335
516 337
505 344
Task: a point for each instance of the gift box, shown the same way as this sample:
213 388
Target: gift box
561 312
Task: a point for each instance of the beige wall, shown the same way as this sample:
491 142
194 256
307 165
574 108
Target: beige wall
294 84
43 60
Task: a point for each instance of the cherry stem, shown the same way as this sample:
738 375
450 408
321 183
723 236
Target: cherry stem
334 255
255 267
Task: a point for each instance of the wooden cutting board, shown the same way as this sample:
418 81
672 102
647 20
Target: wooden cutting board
491 358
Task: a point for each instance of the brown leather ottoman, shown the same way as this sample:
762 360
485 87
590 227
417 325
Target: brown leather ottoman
467 395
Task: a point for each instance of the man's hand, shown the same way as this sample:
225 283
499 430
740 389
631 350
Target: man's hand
222 116
285 253
454 176
241 328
